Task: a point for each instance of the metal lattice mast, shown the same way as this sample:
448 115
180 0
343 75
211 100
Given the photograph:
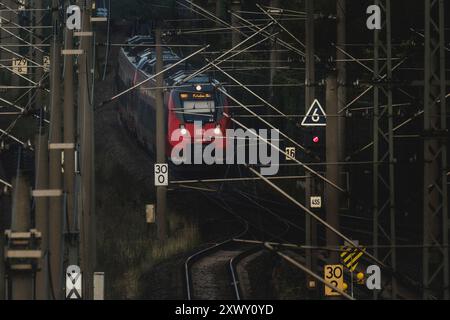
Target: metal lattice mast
435 196
383 148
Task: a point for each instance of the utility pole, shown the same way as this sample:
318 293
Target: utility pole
160 139
41 212
435 194
341 68
332 151
274 56
2 242
220 10
85 123
69 151
310 224
235 36
55 175
31 49
21 278
38 54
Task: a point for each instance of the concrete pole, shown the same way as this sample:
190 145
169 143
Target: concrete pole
341 103
274 56
4 201
39 56
341 76
21 280
332 151
55 174
235 36
309 98
69 154
41 213
87 238
160 140
220 10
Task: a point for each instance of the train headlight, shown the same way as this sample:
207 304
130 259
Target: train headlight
217 130
183 130
198 87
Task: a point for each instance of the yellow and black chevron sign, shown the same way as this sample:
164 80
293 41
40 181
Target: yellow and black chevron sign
350 256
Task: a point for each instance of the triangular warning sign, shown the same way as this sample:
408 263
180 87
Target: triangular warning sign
315 116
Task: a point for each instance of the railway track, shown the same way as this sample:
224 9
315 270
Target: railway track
212 273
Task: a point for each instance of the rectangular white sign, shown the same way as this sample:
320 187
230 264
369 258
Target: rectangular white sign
161 174
316 202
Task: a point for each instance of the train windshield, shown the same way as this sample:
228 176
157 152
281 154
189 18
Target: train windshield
198 106
203 110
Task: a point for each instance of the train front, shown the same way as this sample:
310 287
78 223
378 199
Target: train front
196 123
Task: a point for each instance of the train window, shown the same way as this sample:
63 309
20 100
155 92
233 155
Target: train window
199 110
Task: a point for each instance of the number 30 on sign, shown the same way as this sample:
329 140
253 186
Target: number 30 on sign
334 274
161 174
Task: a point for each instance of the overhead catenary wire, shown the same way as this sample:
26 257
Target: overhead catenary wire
253 113
316 217
283 43
151 77
207 66
308 271
284 29
314 172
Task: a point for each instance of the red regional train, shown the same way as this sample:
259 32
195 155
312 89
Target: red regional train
185 102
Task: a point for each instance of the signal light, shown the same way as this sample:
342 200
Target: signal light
316 139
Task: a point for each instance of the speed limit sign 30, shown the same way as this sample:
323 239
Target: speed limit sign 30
161 174
334 274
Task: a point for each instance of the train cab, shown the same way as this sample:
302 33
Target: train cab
196 113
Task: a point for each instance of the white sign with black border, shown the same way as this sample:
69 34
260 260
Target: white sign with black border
161 174
316 116
316 202
73 282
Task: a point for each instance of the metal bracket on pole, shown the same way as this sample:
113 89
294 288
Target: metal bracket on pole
83 34
61 146
47 193
99 19
22 250
72 52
